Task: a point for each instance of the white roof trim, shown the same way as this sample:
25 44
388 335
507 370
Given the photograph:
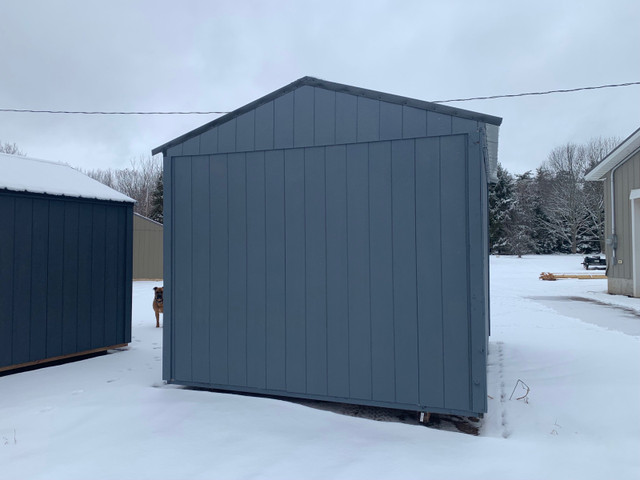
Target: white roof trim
24 174
634 194
619 155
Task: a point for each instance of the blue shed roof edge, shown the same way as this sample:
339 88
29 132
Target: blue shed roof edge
337 87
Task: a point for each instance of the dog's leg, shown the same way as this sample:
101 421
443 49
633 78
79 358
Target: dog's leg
157 319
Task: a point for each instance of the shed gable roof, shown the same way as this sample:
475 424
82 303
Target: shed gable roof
24 174
336 87
618 155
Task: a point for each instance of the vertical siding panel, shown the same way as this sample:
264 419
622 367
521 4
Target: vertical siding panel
181 321
22 279
237 270
275 273
346 118
112 283
128 290
264 126
209 141
168 257
120 310
256 271
478 248
39 265
219 334
429 268
324 117
404 271
295 270
455 267
227 136
438 124
283 121
463 125
414 122
368 120
191 146
390 121
303 127
358 265
246 131
55 280
85 275
316 263
7 245
97 271
200 306
381 265
337 284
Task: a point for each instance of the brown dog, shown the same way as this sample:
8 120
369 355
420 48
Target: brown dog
158 303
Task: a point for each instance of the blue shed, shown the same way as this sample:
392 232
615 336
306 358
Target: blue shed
331 242
65 263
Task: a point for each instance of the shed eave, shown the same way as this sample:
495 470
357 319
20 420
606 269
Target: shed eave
336 87
618 155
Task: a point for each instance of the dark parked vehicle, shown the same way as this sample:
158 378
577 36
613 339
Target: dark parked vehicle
594 261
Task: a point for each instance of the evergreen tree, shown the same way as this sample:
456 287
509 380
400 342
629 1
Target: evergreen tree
500 209
157 197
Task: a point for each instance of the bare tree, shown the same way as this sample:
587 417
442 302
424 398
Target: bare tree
11 148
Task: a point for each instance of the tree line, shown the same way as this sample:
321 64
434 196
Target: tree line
552 209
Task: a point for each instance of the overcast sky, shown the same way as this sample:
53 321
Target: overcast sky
220 55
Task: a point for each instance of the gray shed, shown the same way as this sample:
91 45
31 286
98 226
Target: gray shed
330 242
147 248
620 173
65 263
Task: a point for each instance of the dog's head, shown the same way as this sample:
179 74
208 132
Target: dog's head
159 294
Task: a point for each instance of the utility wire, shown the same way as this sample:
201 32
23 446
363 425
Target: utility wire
528 94
512 95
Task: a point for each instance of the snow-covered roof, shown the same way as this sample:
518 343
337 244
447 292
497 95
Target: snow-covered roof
620 154
24 174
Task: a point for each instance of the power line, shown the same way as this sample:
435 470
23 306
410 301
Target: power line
527 94
491 97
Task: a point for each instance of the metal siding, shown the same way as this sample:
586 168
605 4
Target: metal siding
85 275
256 271
368 120
147 249
381 268
200 306
191 146
181 325
209 141
22 279
390 121
404 271
316 271
346 118
358 271
7 213
98 269
112 283
414 122
303 115
464 125
227 137
37 323
337 273
324 117
454 271
275 271
283 121
438 124
246 132
218 339
295 271
55 280
121 313
264 126
237 191
429 271
70 280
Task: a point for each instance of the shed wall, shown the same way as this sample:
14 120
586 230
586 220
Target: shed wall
627 178
147 248
65 276
354 272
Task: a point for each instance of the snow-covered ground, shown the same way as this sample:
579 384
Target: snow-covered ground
112 417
